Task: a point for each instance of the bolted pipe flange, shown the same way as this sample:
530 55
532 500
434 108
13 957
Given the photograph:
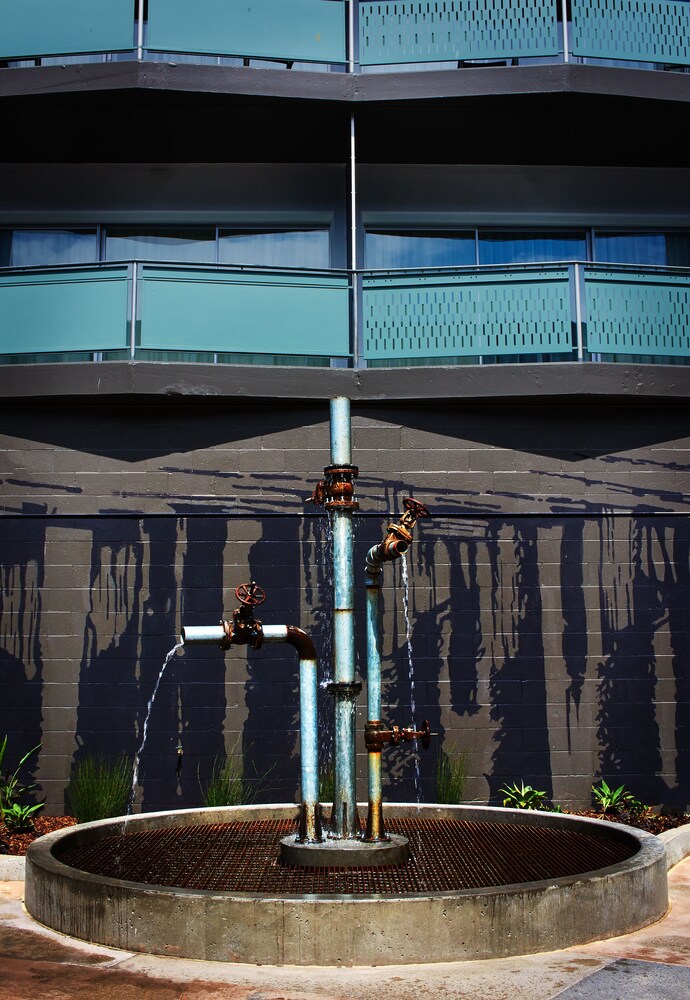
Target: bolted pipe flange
344 689
336 490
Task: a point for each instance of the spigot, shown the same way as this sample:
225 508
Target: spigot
180 753
398 536
336 490
376 735
244 629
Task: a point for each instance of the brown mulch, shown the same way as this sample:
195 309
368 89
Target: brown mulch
649 821
17 843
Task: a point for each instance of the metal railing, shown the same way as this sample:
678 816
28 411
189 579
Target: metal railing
350 35
567 311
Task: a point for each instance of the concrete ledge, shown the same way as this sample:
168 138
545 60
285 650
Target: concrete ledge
466 383
332 930
677 844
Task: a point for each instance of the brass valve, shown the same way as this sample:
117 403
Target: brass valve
398 536
376 735
336 491
245 629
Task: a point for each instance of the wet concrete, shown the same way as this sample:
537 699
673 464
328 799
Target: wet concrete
651 963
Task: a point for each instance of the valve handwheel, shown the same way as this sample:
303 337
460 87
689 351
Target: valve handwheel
417 508
250 594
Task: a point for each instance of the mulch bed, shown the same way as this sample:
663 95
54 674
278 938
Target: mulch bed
17 843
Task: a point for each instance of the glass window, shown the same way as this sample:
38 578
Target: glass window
419 249
663 249
275 247
183 245
531 247
28 247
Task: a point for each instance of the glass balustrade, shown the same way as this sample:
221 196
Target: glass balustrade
160 311
358 35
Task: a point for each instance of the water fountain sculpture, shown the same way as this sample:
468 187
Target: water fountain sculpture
427 883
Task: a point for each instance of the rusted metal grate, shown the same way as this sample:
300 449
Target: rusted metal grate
446 855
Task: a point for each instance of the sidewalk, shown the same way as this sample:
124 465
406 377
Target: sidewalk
650 964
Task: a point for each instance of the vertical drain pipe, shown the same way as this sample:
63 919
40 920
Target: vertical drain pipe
344 819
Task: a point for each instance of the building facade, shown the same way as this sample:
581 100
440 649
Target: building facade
471 218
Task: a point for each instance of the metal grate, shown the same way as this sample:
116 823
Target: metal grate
446 855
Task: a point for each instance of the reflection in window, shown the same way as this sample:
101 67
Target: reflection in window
274 247
531 247
662 249
35 247
187 245
419 249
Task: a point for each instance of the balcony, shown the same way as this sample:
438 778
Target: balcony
570 312
349 34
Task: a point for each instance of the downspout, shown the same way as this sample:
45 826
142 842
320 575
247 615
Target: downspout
244 629
394 545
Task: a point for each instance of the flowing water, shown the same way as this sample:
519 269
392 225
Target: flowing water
137 756
410 666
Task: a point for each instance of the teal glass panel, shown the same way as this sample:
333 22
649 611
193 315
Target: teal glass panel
436 316
76 310
655 31
409 31
304 30
48 27
637 313
244 312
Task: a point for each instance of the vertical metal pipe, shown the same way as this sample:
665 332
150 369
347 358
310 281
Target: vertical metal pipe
375 827
351 36
566 40
133 326
140 30
578 314
310 826
344 818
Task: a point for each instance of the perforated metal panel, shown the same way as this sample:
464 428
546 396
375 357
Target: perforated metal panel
467 314
641 30
79 309
440 30
197 309
642 314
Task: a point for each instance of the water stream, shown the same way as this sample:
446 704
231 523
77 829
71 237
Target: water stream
410 667
137 756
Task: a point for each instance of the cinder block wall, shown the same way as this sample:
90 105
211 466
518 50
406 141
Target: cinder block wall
547 598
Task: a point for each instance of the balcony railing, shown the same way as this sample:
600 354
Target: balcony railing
149 311
352 34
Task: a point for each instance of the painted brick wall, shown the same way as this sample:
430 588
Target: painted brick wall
547 595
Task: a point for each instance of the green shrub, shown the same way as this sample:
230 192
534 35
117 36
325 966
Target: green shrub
615 800
450 775
523 796
226 785
100 787
14 815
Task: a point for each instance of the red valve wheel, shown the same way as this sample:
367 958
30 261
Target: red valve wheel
417 508
250 594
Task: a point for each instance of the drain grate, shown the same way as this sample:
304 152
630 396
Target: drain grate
446 855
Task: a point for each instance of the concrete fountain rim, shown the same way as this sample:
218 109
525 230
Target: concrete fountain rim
650 849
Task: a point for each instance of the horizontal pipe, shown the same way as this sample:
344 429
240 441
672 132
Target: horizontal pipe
202 635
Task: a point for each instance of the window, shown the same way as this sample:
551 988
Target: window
419 249
531 247
189 246
663 249
274 247
29 247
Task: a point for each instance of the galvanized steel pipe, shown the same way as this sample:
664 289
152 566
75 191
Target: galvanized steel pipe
344 819
375 828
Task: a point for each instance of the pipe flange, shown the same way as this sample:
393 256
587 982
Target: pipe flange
346 689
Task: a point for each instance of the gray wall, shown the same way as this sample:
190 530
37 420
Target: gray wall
547 596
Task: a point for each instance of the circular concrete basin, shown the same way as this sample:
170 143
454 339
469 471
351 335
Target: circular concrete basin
231 900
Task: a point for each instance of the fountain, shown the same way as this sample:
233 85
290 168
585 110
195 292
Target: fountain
414 883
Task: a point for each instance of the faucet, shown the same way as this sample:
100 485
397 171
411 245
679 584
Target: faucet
376 735
245 629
